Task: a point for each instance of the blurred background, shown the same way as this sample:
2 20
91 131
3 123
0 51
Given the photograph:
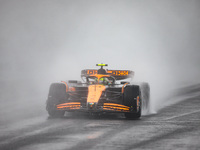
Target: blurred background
48 41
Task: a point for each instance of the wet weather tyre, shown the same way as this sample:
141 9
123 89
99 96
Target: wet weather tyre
57 95
51 109
130 99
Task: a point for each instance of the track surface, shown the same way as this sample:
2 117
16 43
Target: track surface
174 127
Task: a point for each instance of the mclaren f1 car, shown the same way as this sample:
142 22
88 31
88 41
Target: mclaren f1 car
102 91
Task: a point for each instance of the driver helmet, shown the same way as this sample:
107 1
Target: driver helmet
103 80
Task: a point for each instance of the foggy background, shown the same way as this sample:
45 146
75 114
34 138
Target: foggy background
45 41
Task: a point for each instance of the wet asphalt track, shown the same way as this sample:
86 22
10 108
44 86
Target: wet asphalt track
173 127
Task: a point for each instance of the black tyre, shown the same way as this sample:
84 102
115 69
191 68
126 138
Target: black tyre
145 93
130 99
57 95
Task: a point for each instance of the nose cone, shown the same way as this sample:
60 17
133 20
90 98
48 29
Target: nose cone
94 93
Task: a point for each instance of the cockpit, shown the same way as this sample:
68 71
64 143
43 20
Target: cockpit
100 79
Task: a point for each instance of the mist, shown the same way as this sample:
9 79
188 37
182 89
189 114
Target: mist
48 41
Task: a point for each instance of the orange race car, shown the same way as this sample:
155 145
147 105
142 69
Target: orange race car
101 92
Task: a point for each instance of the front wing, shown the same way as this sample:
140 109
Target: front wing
106 107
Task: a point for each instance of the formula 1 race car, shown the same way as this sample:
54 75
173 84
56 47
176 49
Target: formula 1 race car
99 93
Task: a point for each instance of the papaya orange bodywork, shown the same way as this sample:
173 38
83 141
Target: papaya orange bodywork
70 105
67 88
94 93
123 87
72 89
116 107
138 103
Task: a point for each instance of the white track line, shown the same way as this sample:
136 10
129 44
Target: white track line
183 115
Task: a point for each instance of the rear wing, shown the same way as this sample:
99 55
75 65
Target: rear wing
117 74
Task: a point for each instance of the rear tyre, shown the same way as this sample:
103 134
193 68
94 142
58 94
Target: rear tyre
57 95
130 99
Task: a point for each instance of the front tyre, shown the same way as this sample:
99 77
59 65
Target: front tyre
51 109
132 99
57 95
